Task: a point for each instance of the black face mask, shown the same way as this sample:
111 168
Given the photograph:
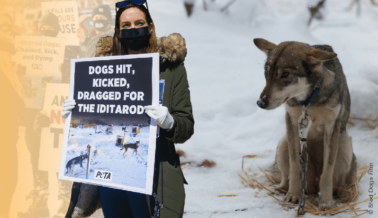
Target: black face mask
101 25
50 33
135 38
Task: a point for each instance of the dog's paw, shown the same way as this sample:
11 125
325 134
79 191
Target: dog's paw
291 198
343 196
325 204
281 188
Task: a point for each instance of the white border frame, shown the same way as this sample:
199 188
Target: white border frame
153 127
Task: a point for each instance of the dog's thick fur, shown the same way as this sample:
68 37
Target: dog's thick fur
128 146
292 71
74 161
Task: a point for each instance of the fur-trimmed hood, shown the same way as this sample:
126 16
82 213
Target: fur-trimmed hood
172 48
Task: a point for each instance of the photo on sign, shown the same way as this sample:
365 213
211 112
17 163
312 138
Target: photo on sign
108 139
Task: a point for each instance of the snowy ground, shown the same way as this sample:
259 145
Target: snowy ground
225 72
109 156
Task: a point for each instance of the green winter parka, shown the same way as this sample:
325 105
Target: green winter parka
168 177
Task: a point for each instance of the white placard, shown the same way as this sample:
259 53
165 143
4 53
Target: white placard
52 136
109 118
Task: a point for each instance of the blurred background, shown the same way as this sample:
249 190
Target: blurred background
38 39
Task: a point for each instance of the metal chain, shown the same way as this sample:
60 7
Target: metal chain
303 182
303 133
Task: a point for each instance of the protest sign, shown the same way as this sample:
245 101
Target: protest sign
52 136
68 15
52 140
42 58
108 139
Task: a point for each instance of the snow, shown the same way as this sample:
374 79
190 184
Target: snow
225 73
109 155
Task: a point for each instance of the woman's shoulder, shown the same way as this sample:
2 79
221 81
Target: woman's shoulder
172 48
103 45
94 47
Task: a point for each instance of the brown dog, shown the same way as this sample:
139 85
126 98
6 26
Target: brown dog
292 71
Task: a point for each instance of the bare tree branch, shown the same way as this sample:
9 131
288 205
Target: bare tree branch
351 5
358 2
227 5
314 10
188 8
204 5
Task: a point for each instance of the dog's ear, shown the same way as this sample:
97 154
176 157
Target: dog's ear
264 45
315 58
321 55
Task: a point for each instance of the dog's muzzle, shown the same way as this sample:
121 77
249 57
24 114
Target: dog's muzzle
262 103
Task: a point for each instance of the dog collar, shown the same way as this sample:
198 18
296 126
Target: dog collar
313 94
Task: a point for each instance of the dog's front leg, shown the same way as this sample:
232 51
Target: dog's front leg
295 169
331 146
81 165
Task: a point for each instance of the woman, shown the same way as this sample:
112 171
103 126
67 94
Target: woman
135 34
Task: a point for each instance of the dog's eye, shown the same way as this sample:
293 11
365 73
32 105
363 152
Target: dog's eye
284 75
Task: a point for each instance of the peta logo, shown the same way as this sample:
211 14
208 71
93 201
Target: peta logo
104 175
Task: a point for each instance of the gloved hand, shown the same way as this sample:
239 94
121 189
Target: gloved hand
161 116
69 104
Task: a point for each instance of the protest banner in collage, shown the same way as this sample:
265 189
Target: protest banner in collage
52 136
67 12
108 139
52 139
42 58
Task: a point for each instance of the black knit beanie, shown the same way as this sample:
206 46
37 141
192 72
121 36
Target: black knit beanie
49 19
103 10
